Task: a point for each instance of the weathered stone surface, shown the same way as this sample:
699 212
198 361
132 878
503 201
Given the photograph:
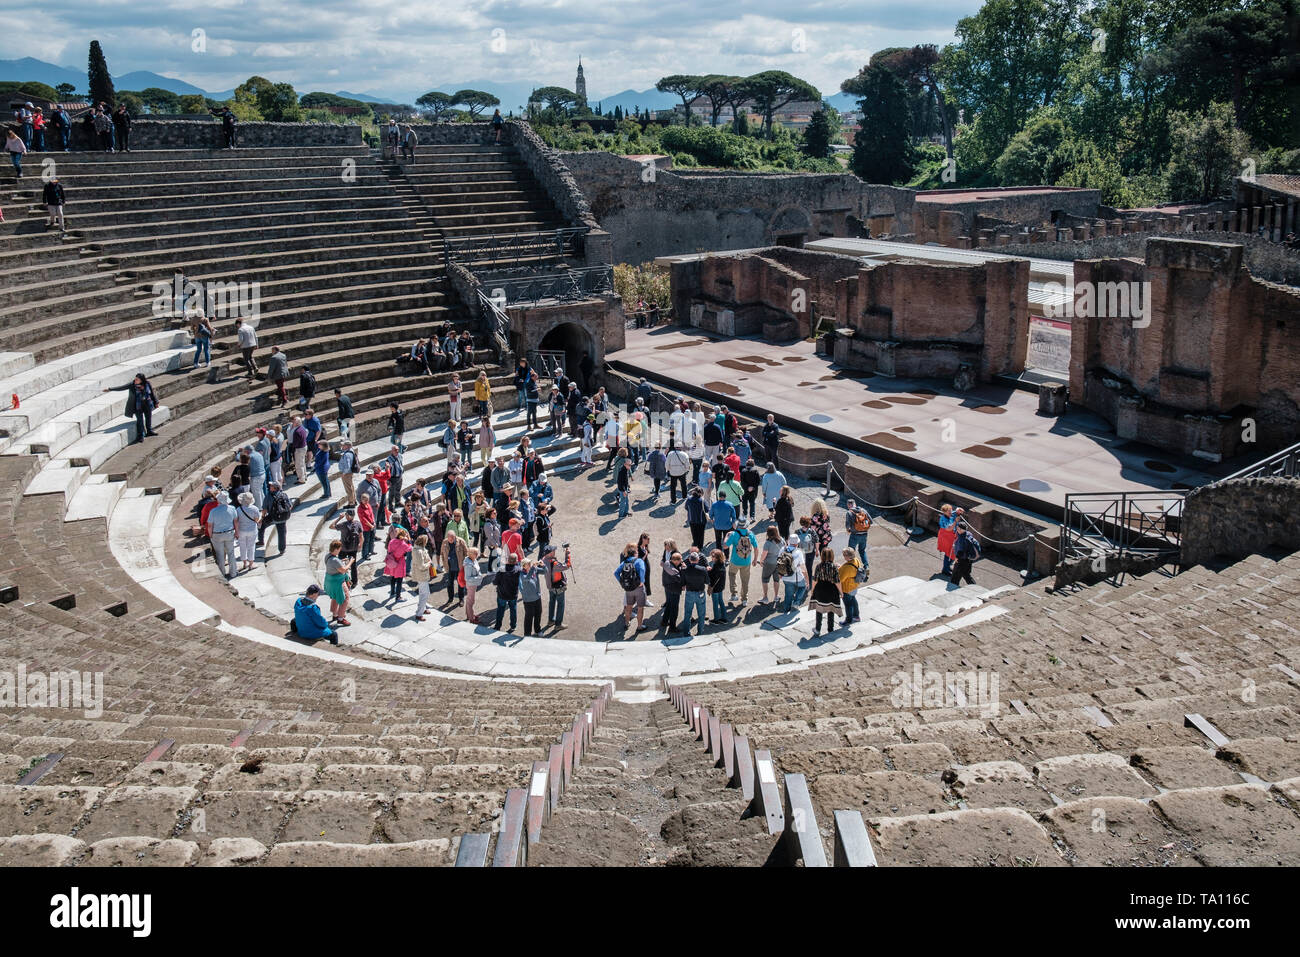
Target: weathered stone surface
1091 775
429 853
39 850
1118 832
998 784
1184 767
141 852
978 838
1235 825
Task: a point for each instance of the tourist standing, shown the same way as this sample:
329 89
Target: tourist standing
483 394
395 563
771 440
718 584
826 595
530 593
947 536
966 551
697 516
248 518
141 400
321 466
671 572
221 533
657 463
772 546
473 581
852 574
695 579
396 427
783 511
507 584
741 547
351 533
723 515
278 509
53 196
793 572
337 569
454 553
557 582
631 576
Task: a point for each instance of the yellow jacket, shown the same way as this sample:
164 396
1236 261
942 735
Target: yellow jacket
482 390
849 576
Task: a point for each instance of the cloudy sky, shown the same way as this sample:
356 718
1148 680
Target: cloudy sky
400 48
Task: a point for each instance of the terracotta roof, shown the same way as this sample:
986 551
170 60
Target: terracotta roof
1279 183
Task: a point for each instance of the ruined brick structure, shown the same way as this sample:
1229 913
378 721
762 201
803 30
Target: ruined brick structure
652 211
1217 347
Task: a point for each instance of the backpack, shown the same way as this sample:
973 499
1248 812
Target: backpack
743 545
628 576
861 521
785 563
356 463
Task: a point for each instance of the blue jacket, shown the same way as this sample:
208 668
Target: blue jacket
307 618
723 514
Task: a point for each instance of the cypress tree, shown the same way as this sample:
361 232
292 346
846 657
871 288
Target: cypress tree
101 84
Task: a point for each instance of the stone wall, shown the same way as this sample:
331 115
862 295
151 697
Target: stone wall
941 217
148 134
1212 368
650 211
1240 517
1264 259
776 290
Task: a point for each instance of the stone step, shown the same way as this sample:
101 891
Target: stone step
95 499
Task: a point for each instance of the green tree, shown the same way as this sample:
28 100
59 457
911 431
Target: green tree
687 86
1033 157
133 102
158 100
882 149
276 102
101 83
30 87
1206 155
719 91
773 89
475 101
192 103
817 137
65 91
435 105
920 68
1010 60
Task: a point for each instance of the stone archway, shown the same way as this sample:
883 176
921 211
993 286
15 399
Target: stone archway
789 226
576 341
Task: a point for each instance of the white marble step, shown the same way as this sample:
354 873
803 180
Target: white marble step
137 527
12 363
38 378
58 480
83 398
99 446
95 499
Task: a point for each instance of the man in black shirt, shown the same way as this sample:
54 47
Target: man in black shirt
507 582
396 426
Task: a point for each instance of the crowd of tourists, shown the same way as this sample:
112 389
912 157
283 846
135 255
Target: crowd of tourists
488 518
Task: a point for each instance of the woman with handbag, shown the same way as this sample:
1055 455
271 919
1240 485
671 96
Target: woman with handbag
141 400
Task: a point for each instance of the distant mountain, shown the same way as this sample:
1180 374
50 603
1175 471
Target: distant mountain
30 69
144 79
650 99
364 97
843 102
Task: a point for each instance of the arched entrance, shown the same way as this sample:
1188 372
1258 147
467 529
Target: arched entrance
576 343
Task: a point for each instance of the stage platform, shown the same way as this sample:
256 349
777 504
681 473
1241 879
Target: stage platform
990 441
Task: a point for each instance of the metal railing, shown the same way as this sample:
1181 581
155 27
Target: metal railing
549 364
497 320
513 248
1284 464
1122 523
570 285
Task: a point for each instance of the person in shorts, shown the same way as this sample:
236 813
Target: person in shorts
630 574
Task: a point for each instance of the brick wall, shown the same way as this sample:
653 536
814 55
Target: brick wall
939 220
1219 347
